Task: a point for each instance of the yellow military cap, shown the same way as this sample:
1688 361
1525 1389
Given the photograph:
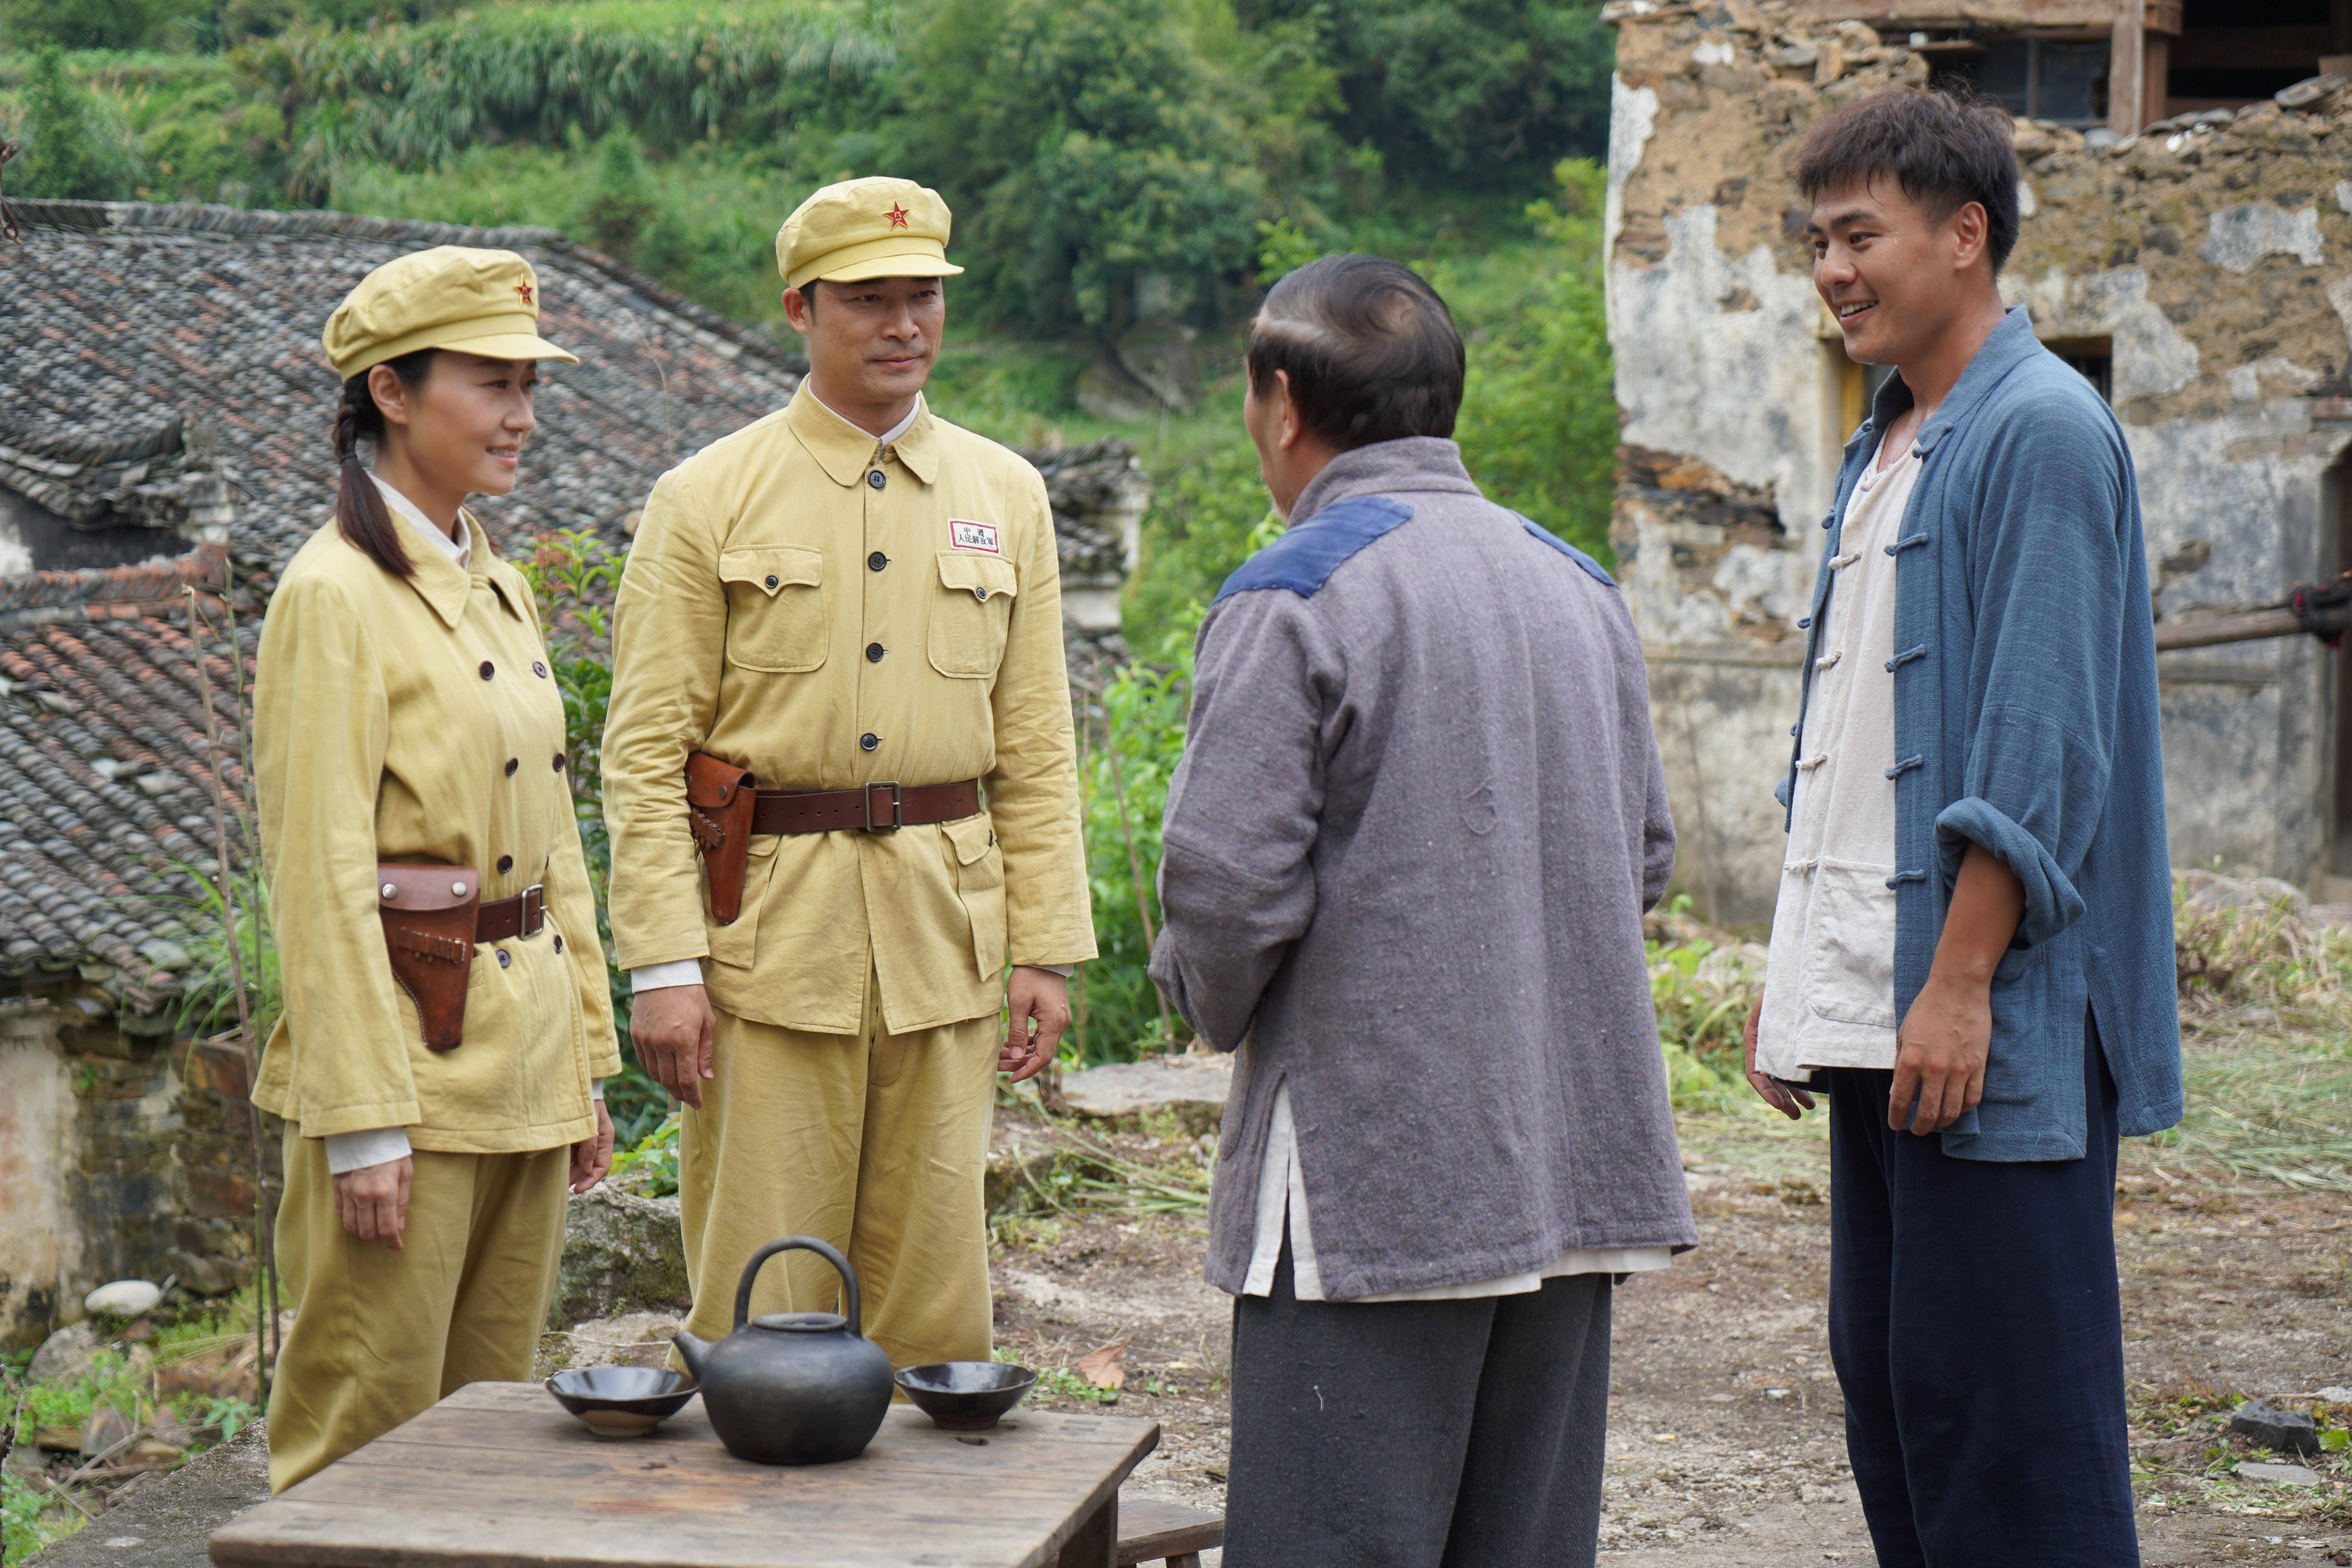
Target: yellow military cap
479 302
873 227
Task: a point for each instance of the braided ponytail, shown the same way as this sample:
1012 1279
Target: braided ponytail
360 511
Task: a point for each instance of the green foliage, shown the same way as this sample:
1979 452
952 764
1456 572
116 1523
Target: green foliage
573 574
1090 145
73 148
1204 520
648 1166
418 96
1284 248
221 951
1135 731
88 24
620 205
30 1515
1472 92
1060 1380
1538 426
1702 1009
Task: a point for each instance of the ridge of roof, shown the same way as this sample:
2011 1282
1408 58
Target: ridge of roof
202 217
247 223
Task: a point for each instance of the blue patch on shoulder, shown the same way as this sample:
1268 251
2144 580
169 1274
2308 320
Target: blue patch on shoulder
1593 568
1303 559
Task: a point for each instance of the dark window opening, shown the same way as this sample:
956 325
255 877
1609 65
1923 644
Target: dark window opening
2040 78
2231 53
2094 357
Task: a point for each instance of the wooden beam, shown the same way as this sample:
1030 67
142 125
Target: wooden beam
2253 626
2127 68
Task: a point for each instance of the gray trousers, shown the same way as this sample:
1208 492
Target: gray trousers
1419 1434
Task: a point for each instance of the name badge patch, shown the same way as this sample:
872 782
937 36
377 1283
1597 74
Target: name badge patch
972 535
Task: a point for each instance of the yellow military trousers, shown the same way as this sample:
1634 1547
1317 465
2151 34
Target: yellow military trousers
875 1142
379 1335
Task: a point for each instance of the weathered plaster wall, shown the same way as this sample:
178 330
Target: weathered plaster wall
2217 259
124 1153
36 1124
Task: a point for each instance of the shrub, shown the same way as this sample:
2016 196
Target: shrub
1538 426
72 148
1485 94
1087 144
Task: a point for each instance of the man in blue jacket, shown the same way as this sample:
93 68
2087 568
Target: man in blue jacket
1972 947
1419 815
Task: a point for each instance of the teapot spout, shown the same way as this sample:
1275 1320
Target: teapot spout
694 1349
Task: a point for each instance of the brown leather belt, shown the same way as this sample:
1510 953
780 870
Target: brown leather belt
870 808
525 914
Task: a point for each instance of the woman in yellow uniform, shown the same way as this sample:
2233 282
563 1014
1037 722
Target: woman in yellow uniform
447 1023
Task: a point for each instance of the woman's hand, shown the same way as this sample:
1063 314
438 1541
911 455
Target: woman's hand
372 1201
592 1158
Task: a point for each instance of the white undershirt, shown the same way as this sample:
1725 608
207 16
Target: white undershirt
1282 1194
348 1152
1829 992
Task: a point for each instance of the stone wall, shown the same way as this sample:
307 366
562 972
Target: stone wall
124 1153
2212 264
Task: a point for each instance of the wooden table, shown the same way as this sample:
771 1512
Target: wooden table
497 1474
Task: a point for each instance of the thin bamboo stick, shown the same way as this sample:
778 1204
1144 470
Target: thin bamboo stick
264 1329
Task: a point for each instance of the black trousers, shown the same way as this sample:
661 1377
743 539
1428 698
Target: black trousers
1979 1340
1419 1434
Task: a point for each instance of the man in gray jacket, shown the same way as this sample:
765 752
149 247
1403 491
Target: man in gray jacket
1418 817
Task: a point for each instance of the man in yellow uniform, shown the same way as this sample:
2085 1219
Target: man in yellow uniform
860 605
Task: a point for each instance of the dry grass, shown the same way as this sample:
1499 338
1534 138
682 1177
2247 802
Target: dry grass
2266 1026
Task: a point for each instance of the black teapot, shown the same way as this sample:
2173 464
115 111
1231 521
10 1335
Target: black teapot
792 1388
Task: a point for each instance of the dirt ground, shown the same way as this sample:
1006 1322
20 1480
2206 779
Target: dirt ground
1725 1442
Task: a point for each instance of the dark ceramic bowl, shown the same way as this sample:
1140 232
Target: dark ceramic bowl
966 1395
621 1401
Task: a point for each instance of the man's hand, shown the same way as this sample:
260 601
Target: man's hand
1039 1001
1942 1043
673 1029
592 1158
1940 1053
1782 1098
372 1201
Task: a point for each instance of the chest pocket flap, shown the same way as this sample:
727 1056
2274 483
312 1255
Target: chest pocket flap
775 608
970 614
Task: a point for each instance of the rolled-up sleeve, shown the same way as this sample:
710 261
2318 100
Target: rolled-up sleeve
2049 589
1236 874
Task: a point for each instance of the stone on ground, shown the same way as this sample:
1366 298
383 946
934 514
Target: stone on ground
123 1298
1191 1088
64 1355
2289 1431
2279 1475
622 1253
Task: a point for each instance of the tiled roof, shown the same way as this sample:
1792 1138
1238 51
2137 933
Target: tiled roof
145 349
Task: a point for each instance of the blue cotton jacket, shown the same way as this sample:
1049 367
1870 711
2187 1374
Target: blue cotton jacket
2025 721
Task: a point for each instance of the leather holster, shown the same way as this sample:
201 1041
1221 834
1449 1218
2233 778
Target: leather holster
719 797
429 914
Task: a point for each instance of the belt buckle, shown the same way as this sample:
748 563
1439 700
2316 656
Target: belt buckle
534 908
865 792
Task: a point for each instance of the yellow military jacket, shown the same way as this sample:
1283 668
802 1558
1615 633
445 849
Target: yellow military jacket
825 612
417 720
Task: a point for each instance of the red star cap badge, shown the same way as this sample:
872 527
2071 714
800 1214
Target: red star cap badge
898 215
523 289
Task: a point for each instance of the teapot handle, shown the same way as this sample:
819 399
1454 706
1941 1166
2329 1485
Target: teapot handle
807 1244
